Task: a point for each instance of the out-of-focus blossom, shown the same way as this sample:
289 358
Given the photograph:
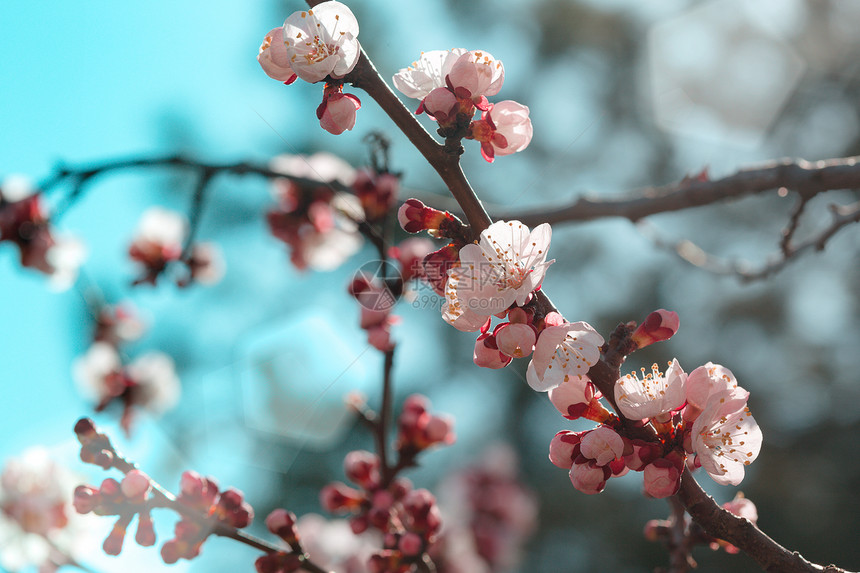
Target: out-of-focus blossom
656 395
158 242
502 130
377 193
205 264
489 514
331 544
322 41
38 526
274 59
410 253
118 324
318 223
24 222
418 429
150 381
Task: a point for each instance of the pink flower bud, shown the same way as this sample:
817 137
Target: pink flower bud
337 110
662 478
441 105
362 468
659 325
340 498
283 524
573 391
86 499
516 340
589 478
145 535
602 445
641 454
742 507
135 485
410 544
114 541
440 429
563 448
487 353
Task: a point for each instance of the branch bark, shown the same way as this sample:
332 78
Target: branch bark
805 177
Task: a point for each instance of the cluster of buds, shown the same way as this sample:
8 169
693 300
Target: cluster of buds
316 45
489 515
24 222
148 382
125 499
377 296
419 430
160 243
318 222
415 217
283 524
666 530
408 518
592 457
219 508
452 85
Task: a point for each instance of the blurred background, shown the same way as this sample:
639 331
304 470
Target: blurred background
623 94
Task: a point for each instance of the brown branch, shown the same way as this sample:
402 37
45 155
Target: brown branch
843 215
742 533
805 177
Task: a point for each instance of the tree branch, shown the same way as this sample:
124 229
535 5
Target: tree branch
723 524
805 177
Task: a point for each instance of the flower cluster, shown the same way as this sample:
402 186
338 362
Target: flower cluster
419 430
160 242
703 415
38 526
24 222
317 220
220 508
407 518
489 515
102 376
125 499
315 45
452 85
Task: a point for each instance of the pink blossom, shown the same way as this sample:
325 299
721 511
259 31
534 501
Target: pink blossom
516 340
602 444
504 267
726 437
441 105
476 75
564 448
654 396
487 353
703 383
322 41
502 130
410 253
573 391
427 73
662 478
589 478
337 110
562 352
205 264
273 57
742 507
